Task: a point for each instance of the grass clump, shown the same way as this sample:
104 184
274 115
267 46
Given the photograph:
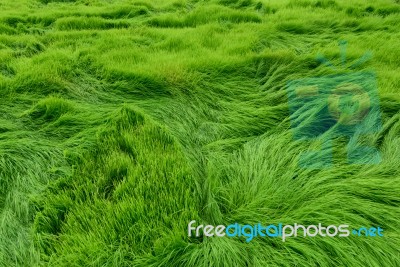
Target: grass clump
129 178
205 15
79 23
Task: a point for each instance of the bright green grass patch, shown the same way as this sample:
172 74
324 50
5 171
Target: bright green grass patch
144 193
80 23
121 121
205 15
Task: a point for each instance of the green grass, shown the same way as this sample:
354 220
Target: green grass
121 121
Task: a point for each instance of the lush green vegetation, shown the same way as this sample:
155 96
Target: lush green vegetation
123 120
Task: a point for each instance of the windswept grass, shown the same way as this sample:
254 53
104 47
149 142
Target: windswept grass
121 121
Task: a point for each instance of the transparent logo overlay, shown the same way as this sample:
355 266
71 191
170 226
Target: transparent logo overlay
344 106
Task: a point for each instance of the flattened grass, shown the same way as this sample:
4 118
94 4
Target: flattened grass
122 121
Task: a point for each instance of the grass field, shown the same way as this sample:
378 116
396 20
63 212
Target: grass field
122 121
